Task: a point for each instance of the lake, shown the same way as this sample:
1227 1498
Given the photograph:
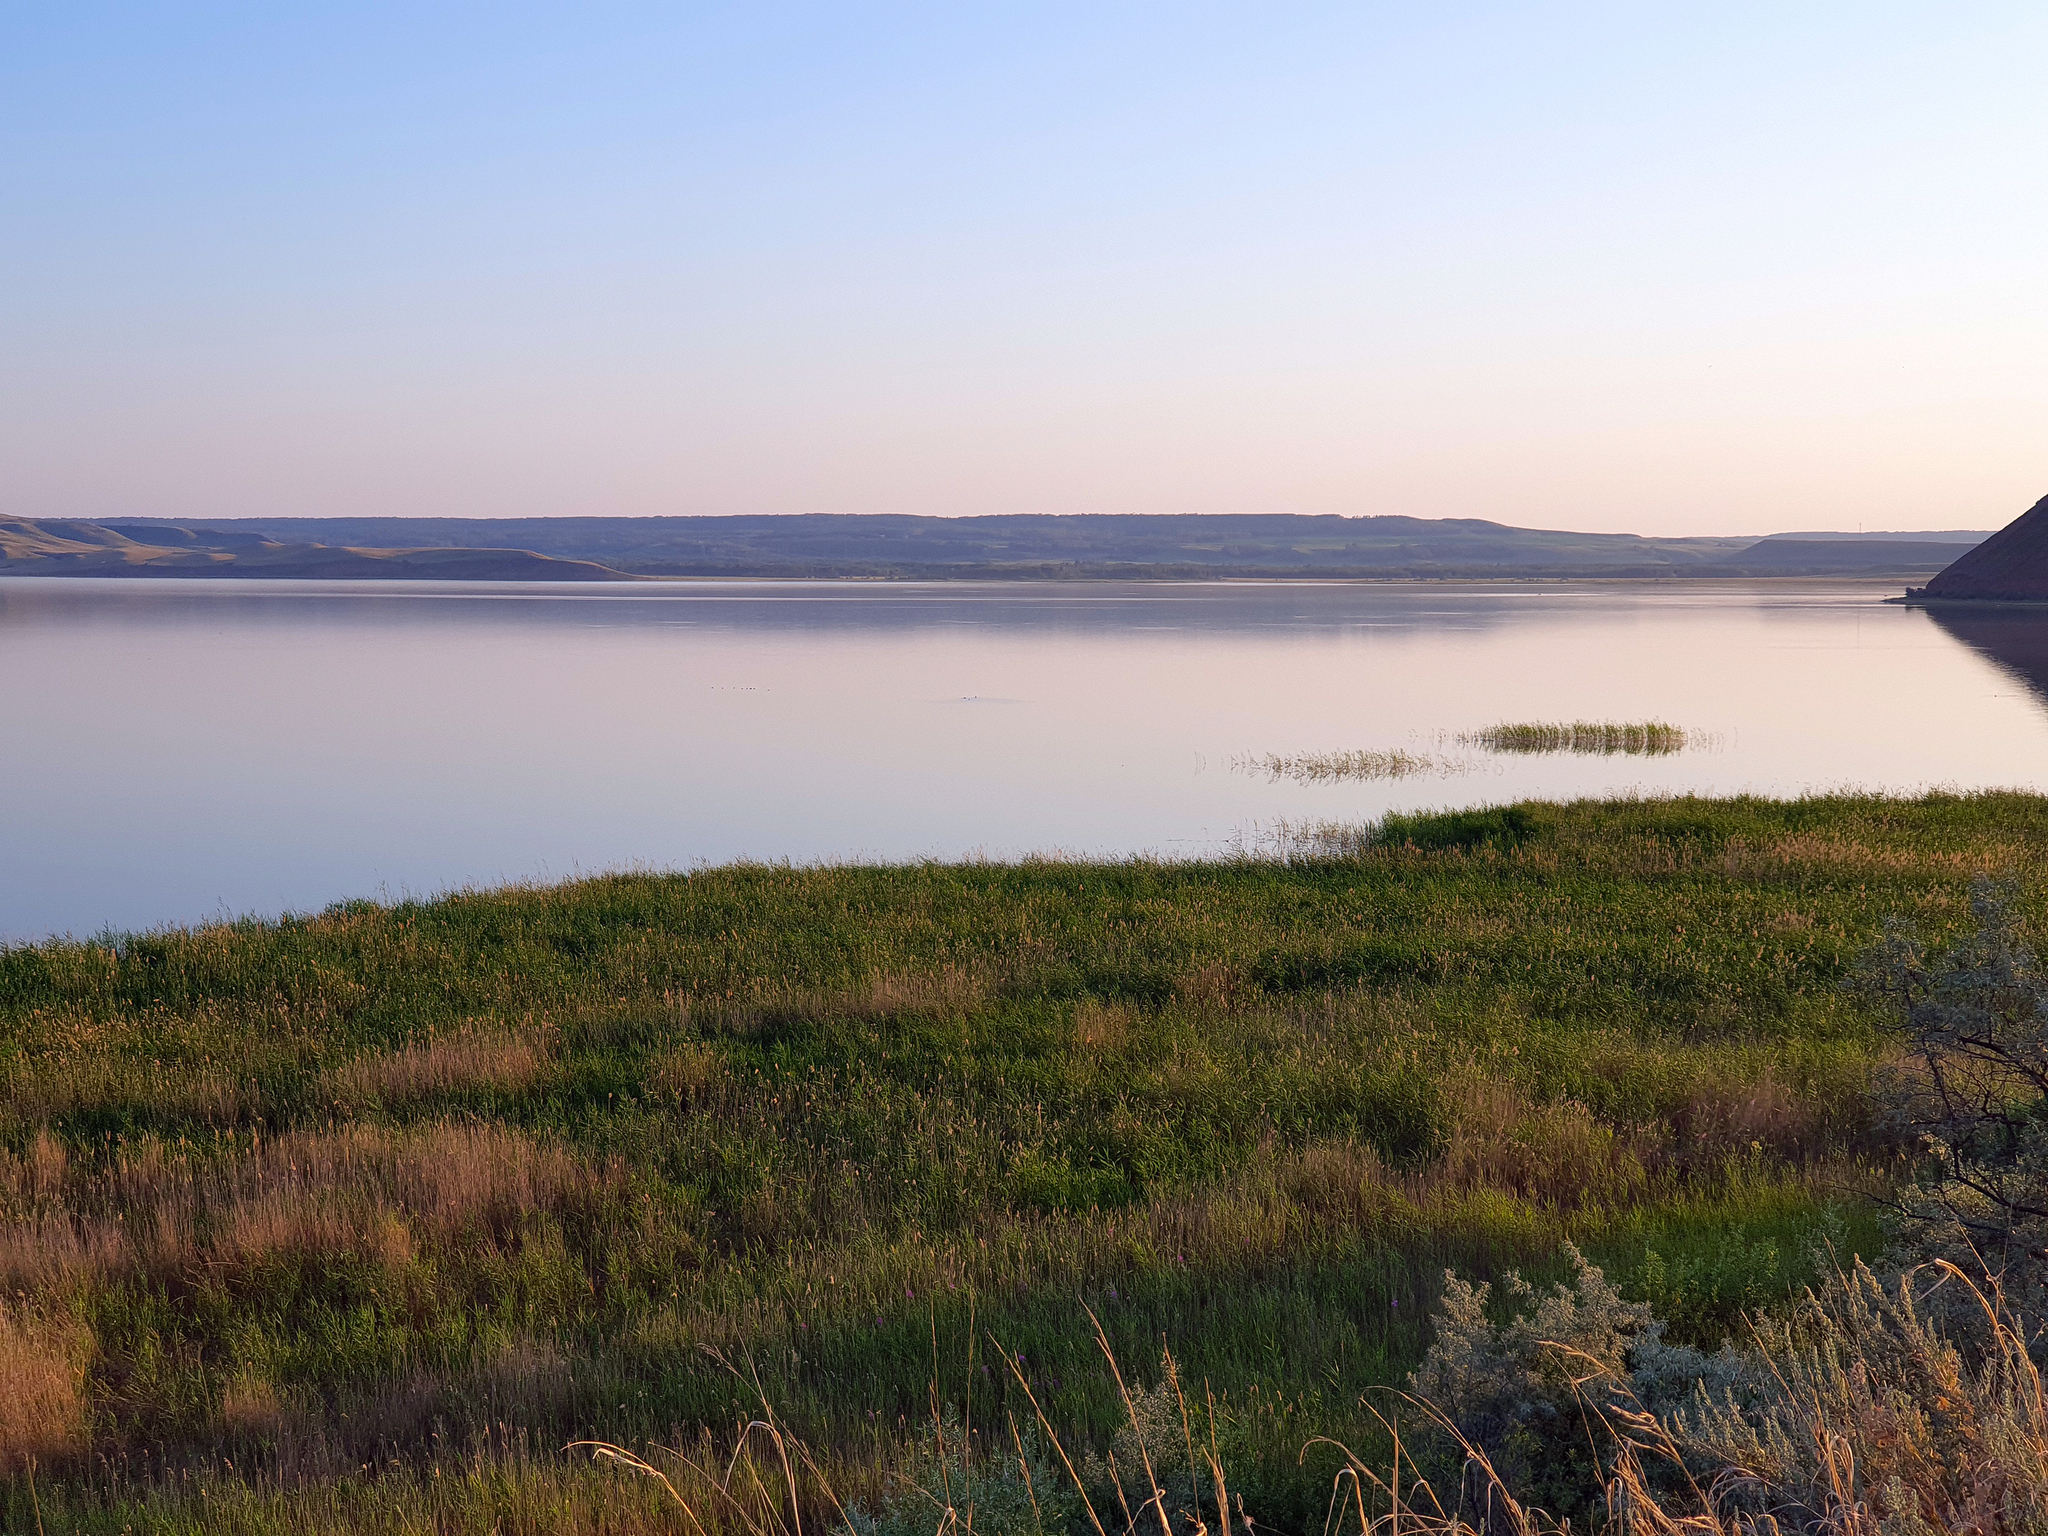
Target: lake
176 751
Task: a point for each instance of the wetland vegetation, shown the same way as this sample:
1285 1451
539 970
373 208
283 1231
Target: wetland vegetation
1331 767
1647 738
1603 738
353 1220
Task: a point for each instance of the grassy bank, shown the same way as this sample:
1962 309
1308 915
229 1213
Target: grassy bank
343 1220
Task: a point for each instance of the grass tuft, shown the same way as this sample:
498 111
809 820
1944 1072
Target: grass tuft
1648 738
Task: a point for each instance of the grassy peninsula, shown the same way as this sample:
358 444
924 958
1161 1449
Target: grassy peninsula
352 1221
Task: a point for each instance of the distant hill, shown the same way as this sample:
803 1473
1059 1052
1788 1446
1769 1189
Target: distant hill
1818 556
1966 537
155 549
1009 546
1001 547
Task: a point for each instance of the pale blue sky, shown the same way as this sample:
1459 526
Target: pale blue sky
1661 268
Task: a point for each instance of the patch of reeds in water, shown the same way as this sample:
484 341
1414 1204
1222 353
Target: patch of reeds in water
1327 767
1593 738
1646 738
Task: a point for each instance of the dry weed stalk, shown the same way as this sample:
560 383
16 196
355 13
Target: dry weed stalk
739 1492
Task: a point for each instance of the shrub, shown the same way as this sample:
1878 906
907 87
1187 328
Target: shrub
1011 1491
1526 1390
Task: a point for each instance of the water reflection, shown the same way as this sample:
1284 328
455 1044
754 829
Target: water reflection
172 750
2015 639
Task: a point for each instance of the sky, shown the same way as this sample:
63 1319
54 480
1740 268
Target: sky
1667 269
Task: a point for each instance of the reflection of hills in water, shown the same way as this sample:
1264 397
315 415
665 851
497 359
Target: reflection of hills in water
2015 639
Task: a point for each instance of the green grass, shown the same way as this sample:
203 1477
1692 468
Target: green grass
437 1187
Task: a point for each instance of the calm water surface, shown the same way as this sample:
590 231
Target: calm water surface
174 751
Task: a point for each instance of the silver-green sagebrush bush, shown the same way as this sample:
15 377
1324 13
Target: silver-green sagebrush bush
1015 1490
1523 1390
1854 1414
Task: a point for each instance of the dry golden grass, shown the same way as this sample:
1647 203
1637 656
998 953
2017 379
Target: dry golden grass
945 992
362 1190
1706 1107
1554 1154
283 1221
1101 1026
1216 985
311 1189
35 1176
464 1062
1810 852
1723 1115
54 1086
524 1379
42 1411
250 1406
50 1252
1340 1180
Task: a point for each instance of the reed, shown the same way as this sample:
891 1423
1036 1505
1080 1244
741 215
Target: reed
1364 764
1648 738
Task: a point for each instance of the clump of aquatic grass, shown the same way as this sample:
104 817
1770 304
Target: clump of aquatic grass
1364 764
1284 840
1648 738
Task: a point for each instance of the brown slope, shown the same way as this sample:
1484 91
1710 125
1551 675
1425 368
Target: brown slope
2010 566
95 549
23 540
85 548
